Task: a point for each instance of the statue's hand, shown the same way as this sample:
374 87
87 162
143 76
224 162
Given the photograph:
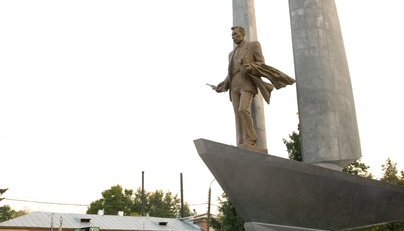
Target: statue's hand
248 68
221 87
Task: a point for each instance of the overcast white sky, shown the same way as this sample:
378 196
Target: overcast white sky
94 92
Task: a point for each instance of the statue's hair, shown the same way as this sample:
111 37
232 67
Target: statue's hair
240 28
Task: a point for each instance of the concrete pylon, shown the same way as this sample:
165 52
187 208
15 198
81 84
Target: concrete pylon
244 15
328 125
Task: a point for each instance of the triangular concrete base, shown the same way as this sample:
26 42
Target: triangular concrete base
272 191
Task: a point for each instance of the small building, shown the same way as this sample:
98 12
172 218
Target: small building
47 221
202 221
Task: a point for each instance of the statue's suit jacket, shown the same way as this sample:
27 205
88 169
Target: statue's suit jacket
251 53
248 53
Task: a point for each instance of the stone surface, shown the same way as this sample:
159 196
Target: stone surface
328 125
270 191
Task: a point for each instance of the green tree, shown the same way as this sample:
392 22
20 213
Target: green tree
390 173
156 204
293 146
95 206
114 199
6 213
138 205
358 168
161 205
216 223
187 210
229 218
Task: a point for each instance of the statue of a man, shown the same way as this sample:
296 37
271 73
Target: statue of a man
246 67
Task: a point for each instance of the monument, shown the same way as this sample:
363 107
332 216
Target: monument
276 194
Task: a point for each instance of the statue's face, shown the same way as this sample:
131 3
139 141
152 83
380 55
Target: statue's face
237 36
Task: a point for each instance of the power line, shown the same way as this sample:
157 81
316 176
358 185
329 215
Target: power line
203 204
44 202
82 205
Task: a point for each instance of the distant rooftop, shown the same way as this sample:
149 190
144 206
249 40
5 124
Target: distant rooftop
104 222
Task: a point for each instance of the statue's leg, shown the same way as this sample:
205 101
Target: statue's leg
235 99
248 131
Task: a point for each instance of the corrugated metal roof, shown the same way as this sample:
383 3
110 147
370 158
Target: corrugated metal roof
106 222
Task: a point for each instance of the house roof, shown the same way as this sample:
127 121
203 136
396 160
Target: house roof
104 222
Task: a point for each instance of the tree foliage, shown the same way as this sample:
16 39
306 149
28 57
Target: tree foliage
216 223
293 146
156 204
390 173
229 218
164 205
113 200
359 169
6 213
137 200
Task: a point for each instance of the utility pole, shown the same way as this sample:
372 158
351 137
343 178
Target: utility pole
209 198
51 225
182 197
142 193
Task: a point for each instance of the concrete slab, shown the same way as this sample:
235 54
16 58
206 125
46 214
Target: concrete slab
270 190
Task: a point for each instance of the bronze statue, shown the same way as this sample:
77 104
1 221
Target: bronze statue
246 67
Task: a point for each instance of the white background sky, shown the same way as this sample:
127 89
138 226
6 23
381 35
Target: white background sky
92 93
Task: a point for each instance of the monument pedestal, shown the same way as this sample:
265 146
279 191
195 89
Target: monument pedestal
273 193
254 149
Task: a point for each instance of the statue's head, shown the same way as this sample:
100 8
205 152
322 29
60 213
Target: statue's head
238 34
